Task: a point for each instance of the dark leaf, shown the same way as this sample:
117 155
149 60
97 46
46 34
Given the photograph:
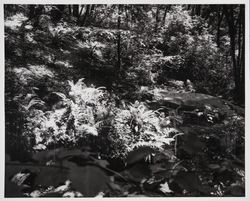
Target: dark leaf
52 194
51 175
139 154
139 171
188 181
192 144
214 166
11 189
45 156
163 156
114 186
102 163
69 153
235 190
45 175
89 179
225 176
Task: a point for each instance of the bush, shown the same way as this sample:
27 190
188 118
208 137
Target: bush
138 126
73 117
194 53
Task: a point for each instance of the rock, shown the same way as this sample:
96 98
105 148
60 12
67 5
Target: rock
191 101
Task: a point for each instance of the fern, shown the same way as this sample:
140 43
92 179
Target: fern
33 102
79 116
138 126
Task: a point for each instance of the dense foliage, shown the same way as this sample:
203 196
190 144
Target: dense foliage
112 100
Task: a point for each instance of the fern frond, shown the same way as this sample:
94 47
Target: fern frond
61 95
34 102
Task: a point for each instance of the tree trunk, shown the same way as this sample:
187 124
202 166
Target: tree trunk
60 10
157 18
237 68
127 17
192 10
242 53
83 21
119 40
81 11
92 8
69 8
220 18
37 13
198 10
75 10
31 11
168 7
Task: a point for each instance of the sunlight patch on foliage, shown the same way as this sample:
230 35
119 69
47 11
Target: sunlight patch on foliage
32 72
15 22
138 126
77 117
165 188
64 64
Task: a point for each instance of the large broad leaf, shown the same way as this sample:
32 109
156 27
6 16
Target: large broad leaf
45 175
192 99
162 170
67 153
139 154
190 182
235 190
89 179
138 172
101 163
51 175
164 156
192 144
59 154
165 188
45 156
11 189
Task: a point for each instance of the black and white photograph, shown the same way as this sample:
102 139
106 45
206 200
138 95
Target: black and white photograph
124 100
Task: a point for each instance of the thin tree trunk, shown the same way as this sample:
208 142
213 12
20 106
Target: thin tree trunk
207 13
157 18
83 21
92 9
192 10
239 37
69 8
127 17
165 14
220 18
119 40
198 9
242 56
229 13
81 11
75 10
31 11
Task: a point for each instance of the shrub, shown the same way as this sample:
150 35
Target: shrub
138 126
194 53
75 116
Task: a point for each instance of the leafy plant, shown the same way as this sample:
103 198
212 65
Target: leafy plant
138 126
80 114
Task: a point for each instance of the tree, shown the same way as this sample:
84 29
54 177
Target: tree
75 10
220 16
85 16
157 18
119 39
235 21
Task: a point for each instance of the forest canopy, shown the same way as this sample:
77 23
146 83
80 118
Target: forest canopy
124 100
